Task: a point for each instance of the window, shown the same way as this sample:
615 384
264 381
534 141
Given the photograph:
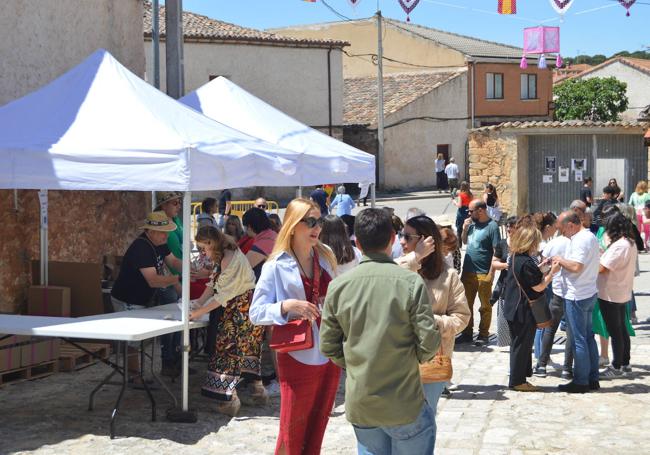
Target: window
529 86
494 86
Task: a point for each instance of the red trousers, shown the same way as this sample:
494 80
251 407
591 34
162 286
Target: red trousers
307 394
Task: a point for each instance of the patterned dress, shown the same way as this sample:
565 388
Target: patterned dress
238 342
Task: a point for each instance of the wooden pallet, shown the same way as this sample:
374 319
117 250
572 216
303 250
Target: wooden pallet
72 358
40 370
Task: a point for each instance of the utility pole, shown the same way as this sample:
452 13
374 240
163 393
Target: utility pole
380 103
174 48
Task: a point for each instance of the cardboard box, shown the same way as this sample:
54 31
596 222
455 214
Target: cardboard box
48 301
10 358
84 281
39 352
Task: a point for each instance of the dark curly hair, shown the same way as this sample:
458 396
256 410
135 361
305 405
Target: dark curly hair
619 226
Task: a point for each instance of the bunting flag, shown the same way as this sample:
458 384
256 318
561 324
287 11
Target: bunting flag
627 4
507 7
354 3
309 1
408 6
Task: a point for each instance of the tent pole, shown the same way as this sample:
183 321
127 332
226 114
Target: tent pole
185 414
299 192
153 201
373 196
43 199
187 208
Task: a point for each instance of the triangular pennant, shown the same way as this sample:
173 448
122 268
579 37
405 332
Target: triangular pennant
354 3
561 6
408 6
627 4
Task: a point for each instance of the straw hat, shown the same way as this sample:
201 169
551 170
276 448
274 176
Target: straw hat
166 196
443 221
158 221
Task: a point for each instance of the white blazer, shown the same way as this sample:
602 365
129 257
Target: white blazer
280 280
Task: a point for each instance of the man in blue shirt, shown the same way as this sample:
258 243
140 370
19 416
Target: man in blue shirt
319 196
343 202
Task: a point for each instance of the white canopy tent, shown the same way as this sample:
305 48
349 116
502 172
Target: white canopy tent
329 159
100 127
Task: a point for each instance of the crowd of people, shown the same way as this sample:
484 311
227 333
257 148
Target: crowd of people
292 302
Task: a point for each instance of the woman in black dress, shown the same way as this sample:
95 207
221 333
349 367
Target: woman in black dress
525 283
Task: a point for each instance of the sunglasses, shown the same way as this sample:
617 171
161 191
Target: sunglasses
312 222
261 206
409 237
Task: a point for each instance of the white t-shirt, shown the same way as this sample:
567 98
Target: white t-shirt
616 284
557 247
342 268
440 165
452 171
583 249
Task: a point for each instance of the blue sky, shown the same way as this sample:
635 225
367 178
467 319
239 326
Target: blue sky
590 26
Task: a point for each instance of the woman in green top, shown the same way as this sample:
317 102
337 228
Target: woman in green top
638 200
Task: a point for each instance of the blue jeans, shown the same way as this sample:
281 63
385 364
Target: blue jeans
432 392
410 439
585 351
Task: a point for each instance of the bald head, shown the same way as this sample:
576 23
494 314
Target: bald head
478 211
570 223
578 205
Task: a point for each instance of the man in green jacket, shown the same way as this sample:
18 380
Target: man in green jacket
378 324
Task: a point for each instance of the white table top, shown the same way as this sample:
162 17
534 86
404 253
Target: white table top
124 326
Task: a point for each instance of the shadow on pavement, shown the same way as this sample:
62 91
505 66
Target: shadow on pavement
479 392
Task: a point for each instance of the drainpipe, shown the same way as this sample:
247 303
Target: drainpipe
329 90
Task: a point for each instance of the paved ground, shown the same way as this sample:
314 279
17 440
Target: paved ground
49 416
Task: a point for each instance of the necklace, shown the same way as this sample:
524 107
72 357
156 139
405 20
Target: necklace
299 264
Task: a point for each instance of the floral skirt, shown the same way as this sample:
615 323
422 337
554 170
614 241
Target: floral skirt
237 350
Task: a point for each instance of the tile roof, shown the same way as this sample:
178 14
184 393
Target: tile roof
640 64
472 47
560 74
400 89
196 26
564 124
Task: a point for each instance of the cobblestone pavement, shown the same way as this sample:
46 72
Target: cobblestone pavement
50 416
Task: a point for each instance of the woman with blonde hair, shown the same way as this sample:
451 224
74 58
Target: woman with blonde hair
441 177
525 283
235 349
638 200
293 285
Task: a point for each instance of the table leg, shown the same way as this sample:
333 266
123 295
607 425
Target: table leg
157 378
125 374
144 383
91 402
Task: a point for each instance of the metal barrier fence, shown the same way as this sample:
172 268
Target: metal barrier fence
236 208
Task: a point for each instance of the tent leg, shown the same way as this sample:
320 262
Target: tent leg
185 414
299 192
373 196
43 199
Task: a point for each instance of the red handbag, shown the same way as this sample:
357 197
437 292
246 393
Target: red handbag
297 335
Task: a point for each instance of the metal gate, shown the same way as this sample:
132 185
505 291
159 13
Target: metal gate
547 192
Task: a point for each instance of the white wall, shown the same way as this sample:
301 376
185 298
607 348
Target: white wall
638 86
42 39
410 148
291 79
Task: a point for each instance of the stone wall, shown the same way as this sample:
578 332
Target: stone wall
83 227
493 158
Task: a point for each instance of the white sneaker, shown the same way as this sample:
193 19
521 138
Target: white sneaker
273 389
603 361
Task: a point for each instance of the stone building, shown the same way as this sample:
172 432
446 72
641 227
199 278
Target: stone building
39 41
540 166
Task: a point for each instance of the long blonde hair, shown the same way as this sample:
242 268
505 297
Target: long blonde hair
641 187
296 211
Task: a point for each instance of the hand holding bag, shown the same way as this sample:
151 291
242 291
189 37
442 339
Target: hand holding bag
297 335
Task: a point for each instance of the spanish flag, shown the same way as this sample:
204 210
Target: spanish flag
507 6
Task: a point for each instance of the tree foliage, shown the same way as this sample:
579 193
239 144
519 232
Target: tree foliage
598 99
600 58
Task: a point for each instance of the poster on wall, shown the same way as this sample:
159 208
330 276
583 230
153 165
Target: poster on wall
549 164
579 164
578 176
547 179
563 175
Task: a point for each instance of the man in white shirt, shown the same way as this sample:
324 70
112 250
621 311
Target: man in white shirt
556 247
452 175
580 272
